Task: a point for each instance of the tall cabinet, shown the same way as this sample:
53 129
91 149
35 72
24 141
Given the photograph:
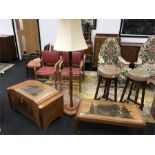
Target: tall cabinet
8 51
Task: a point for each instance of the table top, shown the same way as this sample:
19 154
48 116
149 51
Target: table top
110 113
34 90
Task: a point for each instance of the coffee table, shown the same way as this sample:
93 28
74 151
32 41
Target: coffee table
106 112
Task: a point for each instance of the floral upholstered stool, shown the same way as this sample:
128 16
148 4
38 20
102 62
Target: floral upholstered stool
140 78
107 73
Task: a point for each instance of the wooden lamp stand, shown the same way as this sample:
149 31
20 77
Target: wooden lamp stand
70 108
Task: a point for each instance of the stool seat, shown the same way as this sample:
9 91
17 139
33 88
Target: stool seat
108 71
138 75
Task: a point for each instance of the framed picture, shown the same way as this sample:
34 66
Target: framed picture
91 22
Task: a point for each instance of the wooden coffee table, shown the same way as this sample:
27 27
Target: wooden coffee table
112 113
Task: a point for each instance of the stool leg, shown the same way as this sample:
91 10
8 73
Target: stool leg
105 88
131 87
98 85
108 88
137 92
115 99
126 85
143 95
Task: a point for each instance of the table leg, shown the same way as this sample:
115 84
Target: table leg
76 126
145 129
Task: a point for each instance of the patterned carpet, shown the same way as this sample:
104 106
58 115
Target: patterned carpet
88 91
4 67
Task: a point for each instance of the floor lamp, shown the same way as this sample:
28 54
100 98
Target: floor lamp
70 38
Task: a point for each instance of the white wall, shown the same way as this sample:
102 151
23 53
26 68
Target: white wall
6 27
49 28
48 31
107 26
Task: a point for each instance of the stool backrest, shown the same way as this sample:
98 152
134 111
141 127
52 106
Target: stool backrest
147 51
110 50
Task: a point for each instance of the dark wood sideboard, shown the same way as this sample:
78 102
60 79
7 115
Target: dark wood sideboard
7 48
129 51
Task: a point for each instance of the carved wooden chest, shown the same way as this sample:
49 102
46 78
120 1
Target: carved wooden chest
39 102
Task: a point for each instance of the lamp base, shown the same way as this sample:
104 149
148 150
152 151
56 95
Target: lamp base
68 110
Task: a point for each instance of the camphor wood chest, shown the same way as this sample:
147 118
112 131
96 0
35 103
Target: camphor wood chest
39 102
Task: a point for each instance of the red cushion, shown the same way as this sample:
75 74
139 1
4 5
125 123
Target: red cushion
46 70
75 71
50 57
65 56
76 57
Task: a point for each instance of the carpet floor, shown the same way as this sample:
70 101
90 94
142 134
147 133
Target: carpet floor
14 123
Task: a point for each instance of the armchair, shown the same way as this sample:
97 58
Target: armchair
110 55
77 66
146 58
49 65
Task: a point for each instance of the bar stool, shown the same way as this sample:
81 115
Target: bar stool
139 78
107 73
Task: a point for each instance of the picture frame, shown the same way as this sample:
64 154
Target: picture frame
92 22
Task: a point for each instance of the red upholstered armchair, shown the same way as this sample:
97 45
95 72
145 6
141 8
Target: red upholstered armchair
49 65
77 66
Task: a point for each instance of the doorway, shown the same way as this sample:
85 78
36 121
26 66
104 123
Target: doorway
28 36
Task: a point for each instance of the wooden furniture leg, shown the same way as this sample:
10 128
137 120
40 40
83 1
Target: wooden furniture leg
131 87
105 88
76 126
115 98
126 85
80 83
143 95
137 92
98 85
108 88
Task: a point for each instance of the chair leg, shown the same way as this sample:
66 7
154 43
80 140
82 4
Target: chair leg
80 83
108 88
115 99
131 87
143 95
126 85
60 80
98 85
137 92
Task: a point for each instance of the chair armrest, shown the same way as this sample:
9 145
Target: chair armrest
122 60
82 62
35 63
58 65
84 58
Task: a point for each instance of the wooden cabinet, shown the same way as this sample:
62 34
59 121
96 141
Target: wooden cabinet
7 48
129 51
